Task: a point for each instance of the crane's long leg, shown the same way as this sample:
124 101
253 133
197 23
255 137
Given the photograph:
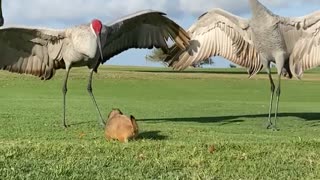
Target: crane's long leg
277 105
89 88
270 125
64 92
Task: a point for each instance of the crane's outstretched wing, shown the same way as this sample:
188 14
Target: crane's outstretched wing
1 17
30 51
218 33
145 29
305 55
302 37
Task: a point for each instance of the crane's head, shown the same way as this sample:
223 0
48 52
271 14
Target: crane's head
96 26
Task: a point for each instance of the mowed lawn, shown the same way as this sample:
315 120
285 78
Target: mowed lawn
197 124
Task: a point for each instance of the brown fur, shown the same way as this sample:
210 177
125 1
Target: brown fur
120 127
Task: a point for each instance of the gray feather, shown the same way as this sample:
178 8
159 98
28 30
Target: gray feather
144 29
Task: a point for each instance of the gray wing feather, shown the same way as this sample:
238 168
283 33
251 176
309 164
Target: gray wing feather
305 55
144 29
218 33
30 51
129 16
302 38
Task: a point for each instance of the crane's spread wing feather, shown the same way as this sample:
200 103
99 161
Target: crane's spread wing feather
305 55
302 39
218 33
30 51
145 29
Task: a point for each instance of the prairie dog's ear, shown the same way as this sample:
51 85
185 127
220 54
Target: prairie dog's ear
132 118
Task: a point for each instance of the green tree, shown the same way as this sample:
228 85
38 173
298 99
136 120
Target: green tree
157 55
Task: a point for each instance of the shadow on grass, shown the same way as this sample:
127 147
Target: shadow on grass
191 72
306 116
201 71
152 135
311 116
81 123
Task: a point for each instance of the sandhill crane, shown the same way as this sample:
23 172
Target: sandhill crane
41 52
1 17
291 43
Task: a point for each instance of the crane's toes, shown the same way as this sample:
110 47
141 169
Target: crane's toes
66 126
102 122
102 125
269 125
272 127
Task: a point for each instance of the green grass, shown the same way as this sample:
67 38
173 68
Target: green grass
180 116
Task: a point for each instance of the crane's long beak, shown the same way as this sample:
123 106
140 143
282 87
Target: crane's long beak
99 46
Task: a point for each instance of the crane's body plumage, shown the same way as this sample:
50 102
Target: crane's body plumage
293 44
267 36
41 51
78 53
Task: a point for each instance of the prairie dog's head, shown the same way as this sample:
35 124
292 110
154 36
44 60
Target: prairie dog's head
134 125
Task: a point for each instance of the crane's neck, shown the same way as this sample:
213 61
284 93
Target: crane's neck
259 10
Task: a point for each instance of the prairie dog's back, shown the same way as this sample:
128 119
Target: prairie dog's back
113 113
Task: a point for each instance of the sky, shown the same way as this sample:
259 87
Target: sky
66 13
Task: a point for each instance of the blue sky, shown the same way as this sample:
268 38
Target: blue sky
65 13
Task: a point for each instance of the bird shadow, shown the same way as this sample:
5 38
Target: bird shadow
80 123
151 135
191 72
306 116
224 120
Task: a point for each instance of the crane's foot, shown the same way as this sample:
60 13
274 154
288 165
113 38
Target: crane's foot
102 124
272 127
101 121
269 125
65 125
